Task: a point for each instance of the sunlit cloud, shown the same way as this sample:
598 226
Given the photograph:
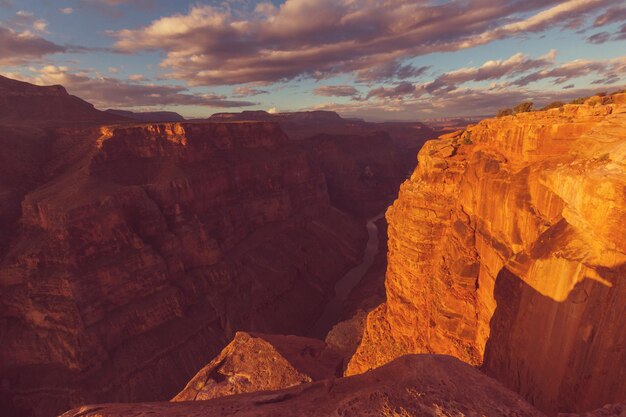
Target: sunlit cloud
209 45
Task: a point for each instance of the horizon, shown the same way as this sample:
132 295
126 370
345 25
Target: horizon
404 61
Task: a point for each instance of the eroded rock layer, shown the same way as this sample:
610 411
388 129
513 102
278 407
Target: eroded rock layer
263 362
140 250
412 386
507 249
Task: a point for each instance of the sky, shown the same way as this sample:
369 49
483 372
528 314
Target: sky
374 59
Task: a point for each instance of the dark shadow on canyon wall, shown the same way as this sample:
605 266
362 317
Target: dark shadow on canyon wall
565 356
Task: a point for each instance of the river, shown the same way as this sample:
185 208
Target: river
332 312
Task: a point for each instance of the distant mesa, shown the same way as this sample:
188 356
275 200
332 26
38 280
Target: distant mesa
261 115
148 116
22 103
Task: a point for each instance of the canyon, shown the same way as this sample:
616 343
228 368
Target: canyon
143 261
131 253
504 285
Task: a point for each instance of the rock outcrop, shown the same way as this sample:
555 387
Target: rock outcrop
263 362
507 250
138 251
412 386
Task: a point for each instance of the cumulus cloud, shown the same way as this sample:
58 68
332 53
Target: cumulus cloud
211 45
336 91
66 10
112 92
17 47
25 20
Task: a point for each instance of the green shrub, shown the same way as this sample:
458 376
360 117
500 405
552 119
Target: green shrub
505 112
524 107
467 138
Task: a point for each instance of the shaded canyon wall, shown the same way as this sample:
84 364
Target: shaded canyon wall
142 249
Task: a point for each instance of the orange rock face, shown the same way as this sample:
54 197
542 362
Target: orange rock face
507 249
263 362
412 386
138 251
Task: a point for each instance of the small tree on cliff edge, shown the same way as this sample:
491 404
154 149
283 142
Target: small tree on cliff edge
523 107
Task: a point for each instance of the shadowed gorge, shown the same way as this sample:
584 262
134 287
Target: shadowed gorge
186 230
132 253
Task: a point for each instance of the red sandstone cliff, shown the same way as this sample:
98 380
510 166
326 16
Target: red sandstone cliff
139 250
507 249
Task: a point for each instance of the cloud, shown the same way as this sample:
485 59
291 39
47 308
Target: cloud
391 70
66 10
399 91
611 15
17 48
372 39
599 38
453 93
336 91
460 102
136 77
246 91
26 20
450 81
608 69
491 70
112 92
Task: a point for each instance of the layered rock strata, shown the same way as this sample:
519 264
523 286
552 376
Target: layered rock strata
507 250
142 249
